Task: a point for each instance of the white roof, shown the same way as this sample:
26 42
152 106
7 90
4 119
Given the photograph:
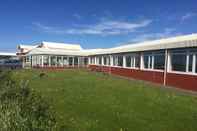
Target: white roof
26 46
45 51
169 43
63 46
7 54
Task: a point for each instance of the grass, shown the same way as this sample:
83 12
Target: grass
87 101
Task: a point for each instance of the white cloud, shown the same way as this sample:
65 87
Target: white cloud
168 32
188 16
77 16
101 28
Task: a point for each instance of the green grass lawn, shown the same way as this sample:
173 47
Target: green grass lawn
87 101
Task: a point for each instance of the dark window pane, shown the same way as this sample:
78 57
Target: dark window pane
146 61
190 62
159 61
100 60
105 60
133 61
76 61
128 61
150 59
114 59
86 61
46 60
178 62
70 61
120 60
53 60
108 60
137 61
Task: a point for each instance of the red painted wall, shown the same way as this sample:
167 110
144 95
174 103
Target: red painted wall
187 82
152 76
183 81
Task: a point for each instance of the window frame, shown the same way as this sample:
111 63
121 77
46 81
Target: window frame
150 61
133 60
188 52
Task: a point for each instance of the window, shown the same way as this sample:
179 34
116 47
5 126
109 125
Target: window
154 60
93 60
46 60
115 62
128 61
190 68
27 58
100 60
97 60
178 61
70 60
59 61
105 60
85 61
184 60
133 61
147 61
53 60
120 60
137 61
159 61
65 61
76 61
108 60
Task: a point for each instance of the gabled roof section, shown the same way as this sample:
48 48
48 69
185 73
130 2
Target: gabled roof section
26 47
59 46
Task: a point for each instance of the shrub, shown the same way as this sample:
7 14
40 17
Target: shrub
41 75
23 109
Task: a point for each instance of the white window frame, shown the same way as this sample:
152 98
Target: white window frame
157 53
133 60
150 61
187 72
115 61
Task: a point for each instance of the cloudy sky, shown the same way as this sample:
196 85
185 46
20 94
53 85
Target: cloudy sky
94 23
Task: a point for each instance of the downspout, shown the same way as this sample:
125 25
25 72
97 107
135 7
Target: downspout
166 67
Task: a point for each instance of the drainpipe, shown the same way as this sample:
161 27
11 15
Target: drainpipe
166 67
111 63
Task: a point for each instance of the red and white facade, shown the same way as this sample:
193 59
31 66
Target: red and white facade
169 62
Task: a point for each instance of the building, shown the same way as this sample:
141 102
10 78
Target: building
9 61
170 62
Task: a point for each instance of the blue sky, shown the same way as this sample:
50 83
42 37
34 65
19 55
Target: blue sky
94 23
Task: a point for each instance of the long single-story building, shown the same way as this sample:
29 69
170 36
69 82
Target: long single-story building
170 61
9 60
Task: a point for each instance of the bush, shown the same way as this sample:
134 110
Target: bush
23 109
41 75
